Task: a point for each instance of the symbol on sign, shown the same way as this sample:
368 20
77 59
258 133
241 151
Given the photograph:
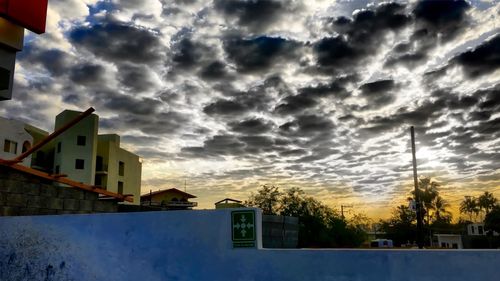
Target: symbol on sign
243 226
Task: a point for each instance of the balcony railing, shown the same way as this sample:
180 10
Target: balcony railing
102 169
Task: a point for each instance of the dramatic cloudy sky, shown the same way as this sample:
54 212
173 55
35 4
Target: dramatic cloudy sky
229 95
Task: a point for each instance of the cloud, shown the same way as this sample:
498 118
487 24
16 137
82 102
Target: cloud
480 60
119 42
251 126
378 93
256 15
260 53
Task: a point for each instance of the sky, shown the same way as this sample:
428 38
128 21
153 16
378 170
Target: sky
221 97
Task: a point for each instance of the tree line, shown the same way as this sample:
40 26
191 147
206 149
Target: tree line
320 226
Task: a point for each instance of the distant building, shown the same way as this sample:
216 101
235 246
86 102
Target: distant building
14 140
448 241
477 229
171 199
79 153
228 203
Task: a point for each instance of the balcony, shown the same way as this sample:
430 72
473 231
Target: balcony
101 169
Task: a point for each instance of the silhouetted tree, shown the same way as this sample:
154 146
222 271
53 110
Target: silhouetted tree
469 206
486 202
401 227
440 212
492 219
267 198
319 225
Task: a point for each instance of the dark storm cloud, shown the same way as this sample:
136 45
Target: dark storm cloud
308 125
260 53
257 98
57 62
445 18
378 93
160 123
224 107
253 14
188 53
309 97
214 71
251 126
481 60
359 37
119 41
126 104
435 22
218 145
136 78
87 74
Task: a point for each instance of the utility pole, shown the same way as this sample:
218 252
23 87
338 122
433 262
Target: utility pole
418 204
342 209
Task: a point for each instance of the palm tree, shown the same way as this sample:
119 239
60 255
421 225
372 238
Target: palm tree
486 201
428 192
469 206
440 211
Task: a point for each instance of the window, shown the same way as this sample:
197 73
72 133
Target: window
79 164
472 229
10 146
480 229
121 168
120 187
80 140
57 169
98 180
26 146
59 147
4 79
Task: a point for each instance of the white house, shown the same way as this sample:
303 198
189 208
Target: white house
14 140
448 241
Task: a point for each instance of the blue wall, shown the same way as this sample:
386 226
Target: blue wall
196 245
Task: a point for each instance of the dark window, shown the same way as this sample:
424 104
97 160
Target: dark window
58 147
80 140
121 168
99 163
98 180
10 146
79 164
4 78
480 229
120 187
57 169
443 245
455 246
472 229
26 146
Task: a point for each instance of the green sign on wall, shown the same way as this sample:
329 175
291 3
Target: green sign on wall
243 228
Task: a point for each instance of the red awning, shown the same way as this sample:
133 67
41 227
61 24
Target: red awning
30 14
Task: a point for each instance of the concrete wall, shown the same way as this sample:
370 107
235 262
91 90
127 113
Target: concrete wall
196 245
24 195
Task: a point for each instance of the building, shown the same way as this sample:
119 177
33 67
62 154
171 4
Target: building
228 203
171 199
14 140
15 16
79 153
448 241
